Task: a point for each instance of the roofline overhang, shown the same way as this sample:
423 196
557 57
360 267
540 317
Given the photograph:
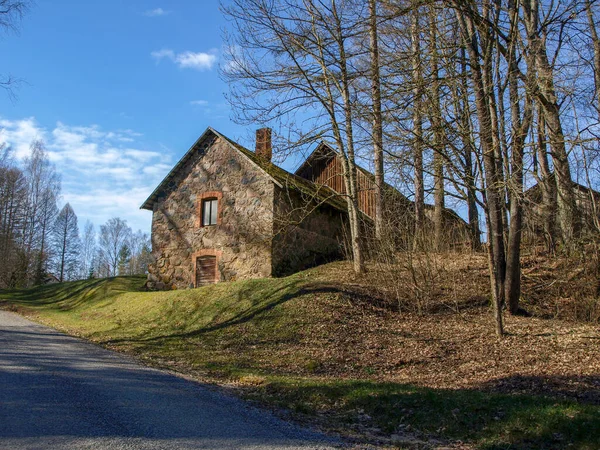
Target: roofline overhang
149 202
308 160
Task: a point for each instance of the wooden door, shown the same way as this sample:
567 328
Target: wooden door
206 270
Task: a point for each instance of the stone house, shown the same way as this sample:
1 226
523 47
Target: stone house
225 213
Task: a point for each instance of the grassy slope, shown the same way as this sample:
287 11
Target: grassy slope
310 345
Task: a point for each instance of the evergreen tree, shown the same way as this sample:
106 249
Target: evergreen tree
66 243
124 260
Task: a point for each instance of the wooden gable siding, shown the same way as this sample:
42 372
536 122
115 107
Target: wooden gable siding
329 172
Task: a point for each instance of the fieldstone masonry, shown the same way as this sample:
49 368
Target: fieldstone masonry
255 235
242 239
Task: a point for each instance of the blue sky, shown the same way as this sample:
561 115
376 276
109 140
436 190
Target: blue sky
118 91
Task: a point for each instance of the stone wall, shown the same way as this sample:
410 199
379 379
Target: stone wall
305 235
241 240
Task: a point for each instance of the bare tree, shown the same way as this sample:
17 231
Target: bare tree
548 100
288 57
596 46
479 58
139 245
467 154
13 201
114 234
439 141
43 190
11 13
417 123
521 122
377 115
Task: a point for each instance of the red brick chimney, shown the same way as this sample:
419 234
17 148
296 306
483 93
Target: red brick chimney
263 144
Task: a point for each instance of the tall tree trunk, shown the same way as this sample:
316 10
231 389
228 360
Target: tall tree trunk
468 148
492 102
377 118
438 132
520 129
547 184
350 160
417 123
546 96
596 45
493 184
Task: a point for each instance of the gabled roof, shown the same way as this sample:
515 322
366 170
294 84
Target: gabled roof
325 151
279 176
322 151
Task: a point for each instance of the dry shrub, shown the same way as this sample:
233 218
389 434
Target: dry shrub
563 286
421 278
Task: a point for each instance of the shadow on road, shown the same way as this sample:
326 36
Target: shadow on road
56 386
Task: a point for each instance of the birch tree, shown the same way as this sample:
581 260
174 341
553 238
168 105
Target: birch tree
43 190
114 234
88 250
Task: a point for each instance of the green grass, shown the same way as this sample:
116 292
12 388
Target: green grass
252 332
490 421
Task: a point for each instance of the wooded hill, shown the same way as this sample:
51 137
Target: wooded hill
465 103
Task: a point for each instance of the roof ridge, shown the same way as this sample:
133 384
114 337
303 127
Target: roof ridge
278 175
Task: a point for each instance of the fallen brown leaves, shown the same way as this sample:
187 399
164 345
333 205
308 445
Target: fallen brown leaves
454 345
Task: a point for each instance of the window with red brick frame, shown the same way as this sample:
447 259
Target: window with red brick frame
209 208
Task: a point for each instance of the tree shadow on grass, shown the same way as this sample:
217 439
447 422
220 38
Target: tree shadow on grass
69 295
261 303
581 388
490 420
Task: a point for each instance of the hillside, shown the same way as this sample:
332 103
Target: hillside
336 350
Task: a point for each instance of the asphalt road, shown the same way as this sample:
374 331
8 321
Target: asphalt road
57 391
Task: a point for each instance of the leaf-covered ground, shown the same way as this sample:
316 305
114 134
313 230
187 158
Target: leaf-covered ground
340 351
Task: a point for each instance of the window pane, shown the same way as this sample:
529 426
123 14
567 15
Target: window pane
210 209
206 212
213 211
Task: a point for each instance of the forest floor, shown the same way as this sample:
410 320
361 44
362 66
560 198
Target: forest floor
404 356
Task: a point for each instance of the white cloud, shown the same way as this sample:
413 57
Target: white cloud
113 202
157 169
19 134
199 103
187 60
105 173
198 61
233 58
156 12
142 155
